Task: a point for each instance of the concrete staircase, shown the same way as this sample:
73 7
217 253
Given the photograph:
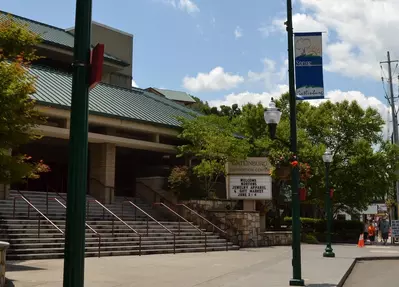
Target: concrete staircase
136 234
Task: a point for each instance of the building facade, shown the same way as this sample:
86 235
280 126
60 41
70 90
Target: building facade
132 132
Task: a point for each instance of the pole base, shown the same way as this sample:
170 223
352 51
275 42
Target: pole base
297 282
329 254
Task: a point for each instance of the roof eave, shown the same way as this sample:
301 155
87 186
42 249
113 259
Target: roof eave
114 61
58 106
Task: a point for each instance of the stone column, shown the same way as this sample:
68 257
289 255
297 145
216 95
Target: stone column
102 171
5 188
3 248
249 205
4 191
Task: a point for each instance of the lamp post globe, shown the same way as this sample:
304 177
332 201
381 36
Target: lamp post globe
328 158
272 117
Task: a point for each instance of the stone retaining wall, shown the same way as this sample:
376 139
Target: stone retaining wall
245 223
3 248
275 238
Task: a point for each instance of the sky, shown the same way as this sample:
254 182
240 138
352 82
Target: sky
234 51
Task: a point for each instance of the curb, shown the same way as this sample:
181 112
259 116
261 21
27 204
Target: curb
359 259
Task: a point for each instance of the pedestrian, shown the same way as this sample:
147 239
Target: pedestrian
371 232
384 228
365 232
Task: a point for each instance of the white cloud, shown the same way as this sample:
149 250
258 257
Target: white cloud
359 32
216 80
248 97
134 84
238 33
270 74
185 5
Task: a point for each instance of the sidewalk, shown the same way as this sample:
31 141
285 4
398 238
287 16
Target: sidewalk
266 267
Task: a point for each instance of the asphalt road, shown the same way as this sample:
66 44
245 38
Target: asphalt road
384 273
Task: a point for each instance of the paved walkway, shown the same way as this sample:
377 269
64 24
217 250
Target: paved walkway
269 267
374 273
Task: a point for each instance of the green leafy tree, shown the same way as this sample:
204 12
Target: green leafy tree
17 113
212 142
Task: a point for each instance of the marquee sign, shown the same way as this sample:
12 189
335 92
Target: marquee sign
249 179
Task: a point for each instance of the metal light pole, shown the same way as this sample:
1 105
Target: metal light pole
74 254
270 119
328 158
296 222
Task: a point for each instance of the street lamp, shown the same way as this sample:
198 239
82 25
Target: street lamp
328 158
272 117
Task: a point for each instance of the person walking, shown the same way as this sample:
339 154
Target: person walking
365 232
384 228
371 232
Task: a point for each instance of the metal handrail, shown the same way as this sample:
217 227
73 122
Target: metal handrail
110 188
153 219
47 198
38 211
162 197
181 217
114 215
213 225
91 228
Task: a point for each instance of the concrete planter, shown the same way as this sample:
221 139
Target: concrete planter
3 248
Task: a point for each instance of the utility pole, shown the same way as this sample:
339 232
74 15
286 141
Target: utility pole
394 114
74 254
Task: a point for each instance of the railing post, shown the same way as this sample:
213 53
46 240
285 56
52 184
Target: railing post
179 226
205 242
28 211
139 245
46 199
38 228
174 243
147 226
113 221
99 246
13 210
88 209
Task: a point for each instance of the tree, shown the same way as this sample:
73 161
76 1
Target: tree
211 141
17 113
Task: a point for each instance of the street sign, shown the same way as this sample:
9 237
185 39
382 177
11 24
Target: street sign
395 228
96 68
309 66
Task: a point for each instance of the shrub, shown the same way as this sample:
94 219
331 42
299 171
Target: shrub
309 238
179 179
342 230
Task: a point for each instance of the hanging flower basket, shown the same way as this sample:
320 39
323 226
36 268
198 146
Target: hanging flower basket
302 193
283 172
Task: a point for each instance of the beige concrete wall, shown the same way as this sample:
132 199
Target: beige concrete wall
102 171
117 43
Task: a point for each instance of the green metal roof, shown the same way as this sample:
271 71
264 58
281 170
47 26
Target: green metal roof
175 95
54 88
52 35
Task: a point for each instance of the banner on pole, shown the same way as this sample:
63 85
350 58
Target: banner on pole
309 66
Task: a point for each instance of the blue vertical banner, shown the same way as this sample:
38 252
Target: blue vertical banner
309 66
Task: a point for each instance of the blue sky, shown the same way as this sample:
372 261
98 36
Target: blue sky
240 49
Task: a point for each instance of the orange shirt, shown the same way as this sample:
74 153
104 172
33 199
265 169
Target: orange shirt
371 230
